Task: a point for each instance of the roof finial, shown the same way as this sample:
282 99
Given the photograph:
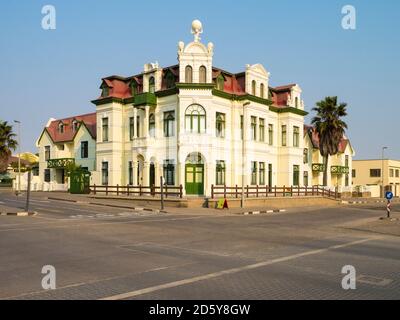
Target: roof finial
197 29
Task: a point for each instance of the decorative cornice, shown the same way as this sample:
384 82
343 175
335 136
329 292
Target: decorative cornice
101 101
235 97
196 86
288 110
167 92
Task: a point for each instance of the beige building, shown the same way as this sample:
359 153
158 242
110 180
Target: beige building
372 172
339 165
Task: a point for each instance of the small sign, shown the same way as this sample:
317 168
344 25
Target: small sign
389 195
222 204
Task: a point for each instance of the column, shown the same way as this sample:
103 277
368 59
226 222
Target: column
135 176
146 121
135 132
157 173
146 173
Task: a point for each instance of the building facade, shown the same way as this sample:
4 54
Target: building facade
64 142
197 125
377 173
339 165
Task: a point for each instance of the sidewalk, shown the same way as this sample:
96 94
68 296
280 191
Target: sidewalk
129 203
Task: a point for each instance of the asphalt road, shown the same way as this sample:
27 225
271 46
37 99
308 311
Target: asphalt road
112 253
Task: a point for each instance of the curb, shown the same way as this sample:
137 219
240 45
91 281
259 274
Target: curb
363 202
262 212
109 205
66 200
19 214
127 207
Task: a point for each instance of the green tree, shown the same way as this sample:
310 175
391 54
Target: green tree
330 128
7 144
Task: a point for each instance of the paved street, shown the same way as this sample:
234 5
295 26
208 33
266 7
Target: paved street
116 253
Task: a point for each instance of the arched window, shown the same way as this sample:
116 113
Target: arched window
188 74
220 82
169 80
262 90
202 74
152 125
195 119
220 125
152 86
134 88
253 87
75 125
61 127
105 90
296 102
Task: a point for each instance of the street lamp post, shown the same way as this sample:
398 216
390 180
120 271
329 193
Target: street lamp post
243 150
19 156
382 174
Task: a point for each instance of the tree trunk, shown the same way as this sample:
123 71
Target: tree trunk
325 180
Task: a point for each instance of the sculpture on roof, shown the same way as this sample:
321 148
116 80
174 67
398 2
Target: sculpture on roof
197 29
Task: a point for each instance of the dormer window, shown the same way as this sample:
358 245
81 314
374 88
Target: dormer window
61 127
75 125
169 80
220 82
134 88
262 90
152 86
105 90
296 102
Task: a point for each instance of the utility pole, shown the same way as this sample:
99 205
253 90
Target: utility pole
244 136
382 174
19 156
162 193
28 192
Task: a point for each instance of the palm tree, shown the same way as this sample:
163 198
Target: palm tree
7 143
330 128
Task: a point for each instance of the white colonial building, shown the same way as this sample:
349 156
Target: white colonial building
197 125
64 142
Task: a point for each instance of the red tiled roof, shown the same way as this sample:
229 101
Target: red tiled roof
234 84
89 121
281 94
118 88
314 136
284 88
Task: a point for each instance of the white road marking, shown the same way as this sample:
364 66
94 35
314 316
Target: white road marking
179 283
32 293
106 223
116 215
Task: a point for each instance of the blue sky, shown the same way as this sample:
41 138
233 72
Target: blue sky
56 73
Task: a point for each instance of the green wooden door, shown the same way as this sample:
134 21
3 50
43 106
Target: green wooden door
194 179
